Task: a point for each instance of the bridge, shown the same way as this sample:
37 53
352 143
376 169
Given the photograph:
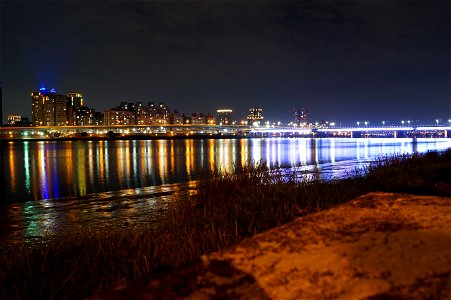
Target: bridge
389 131
193 130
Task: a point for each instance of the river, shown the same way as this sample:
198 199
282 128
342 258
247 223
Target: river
51 188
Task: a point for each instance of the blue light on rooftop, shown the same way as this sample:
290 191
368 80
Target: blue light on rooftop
53 91
42 89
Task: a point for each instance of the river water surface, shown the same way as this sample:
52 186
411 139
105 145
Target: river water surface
58 188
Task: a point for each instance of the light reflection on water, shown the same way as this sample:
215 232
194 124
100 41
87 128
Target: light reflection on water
108 183
53 170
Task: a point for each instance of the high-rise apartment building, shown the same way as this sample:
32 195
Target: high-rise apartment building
255 116
150 114
128 113
163 113
48 108
86 116
74 103
116 116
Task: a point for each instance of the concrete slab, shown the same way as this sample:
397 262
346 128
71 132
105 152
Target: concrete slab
379 246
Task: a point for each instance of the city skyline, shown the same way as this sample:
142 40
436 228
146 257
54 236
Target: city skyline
378 60
72 110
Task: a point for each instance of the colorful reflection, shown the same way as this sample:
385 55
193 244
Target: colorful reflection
43 180
27 168
12 167
53 170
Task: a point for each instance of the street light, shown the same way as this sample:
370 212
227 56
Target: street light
366 123
408 122
383 123
358 123
402 122
436 120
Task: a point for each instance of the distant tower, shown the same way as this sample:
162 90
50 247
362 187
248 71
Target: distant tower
296 116
300 116
255 116
304 116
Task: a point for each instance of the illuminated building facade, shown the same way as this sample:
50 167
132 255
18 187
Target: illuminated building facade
13 119
48 108
124 114
255 116
152 114
163 114
74 103
18 121
128 113
224 116
86 116
118 117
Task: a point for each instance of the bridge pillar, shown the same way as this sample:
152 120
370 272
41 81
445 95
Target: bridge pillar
446 135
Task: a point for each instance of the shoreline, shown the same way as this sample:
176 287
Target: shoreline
226 210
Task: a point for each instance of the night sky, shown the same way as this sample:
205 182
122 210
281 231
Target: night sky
343 60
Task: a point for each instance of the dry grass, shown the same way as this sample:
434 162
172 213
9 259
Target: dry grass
227 209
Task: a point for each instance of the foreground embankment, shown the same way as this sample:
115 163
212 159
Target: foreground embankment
379 246
225 210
